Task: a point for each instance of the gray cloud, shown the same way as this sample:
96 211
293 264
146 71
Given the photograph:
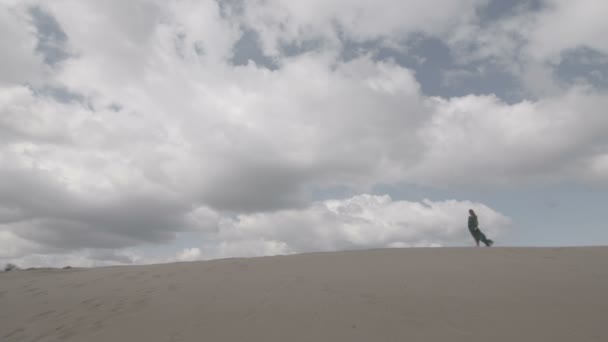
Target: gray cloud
263 187
45 211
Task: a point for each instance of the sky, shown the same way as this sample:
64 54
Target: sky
151 131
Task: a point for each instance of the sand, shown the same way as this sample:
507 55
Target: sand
438 294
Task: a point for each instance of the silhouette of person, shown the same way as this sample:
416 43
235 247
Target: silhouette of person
476 232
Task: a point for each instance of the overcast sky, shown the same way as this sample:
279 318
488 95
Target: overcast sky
153 131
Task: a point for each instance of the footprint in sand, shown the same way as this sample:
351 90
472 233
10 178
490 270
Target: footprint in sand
17 334
42 315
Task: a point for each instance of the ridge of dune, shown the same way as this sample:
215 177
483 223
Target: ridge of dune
434 294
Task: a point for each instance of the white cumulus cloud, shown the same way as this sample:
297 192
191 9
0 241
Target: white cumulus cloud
360 222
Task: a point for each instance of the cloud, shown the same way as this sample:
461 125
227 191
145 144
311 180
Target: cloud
81 258
532 41
189 254
18 43
482 140
360 222
142 127
11 245
283 22
550 37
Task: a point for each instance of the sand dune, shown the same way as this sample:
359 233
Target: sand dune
441 294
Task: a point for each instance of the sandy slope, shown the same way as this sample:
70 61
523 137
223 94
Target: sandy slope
447 294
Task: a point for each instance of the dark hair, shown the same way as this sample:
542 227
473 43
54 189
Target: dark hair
472 212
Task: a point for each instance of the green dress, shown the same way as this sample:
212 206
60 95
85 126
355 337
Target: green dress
476 232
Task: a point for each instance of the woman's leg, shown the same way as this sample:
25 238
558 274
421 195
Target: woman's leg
482 237
475 235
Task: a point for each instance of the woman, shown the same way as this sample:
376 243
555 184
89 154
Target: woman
474 229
